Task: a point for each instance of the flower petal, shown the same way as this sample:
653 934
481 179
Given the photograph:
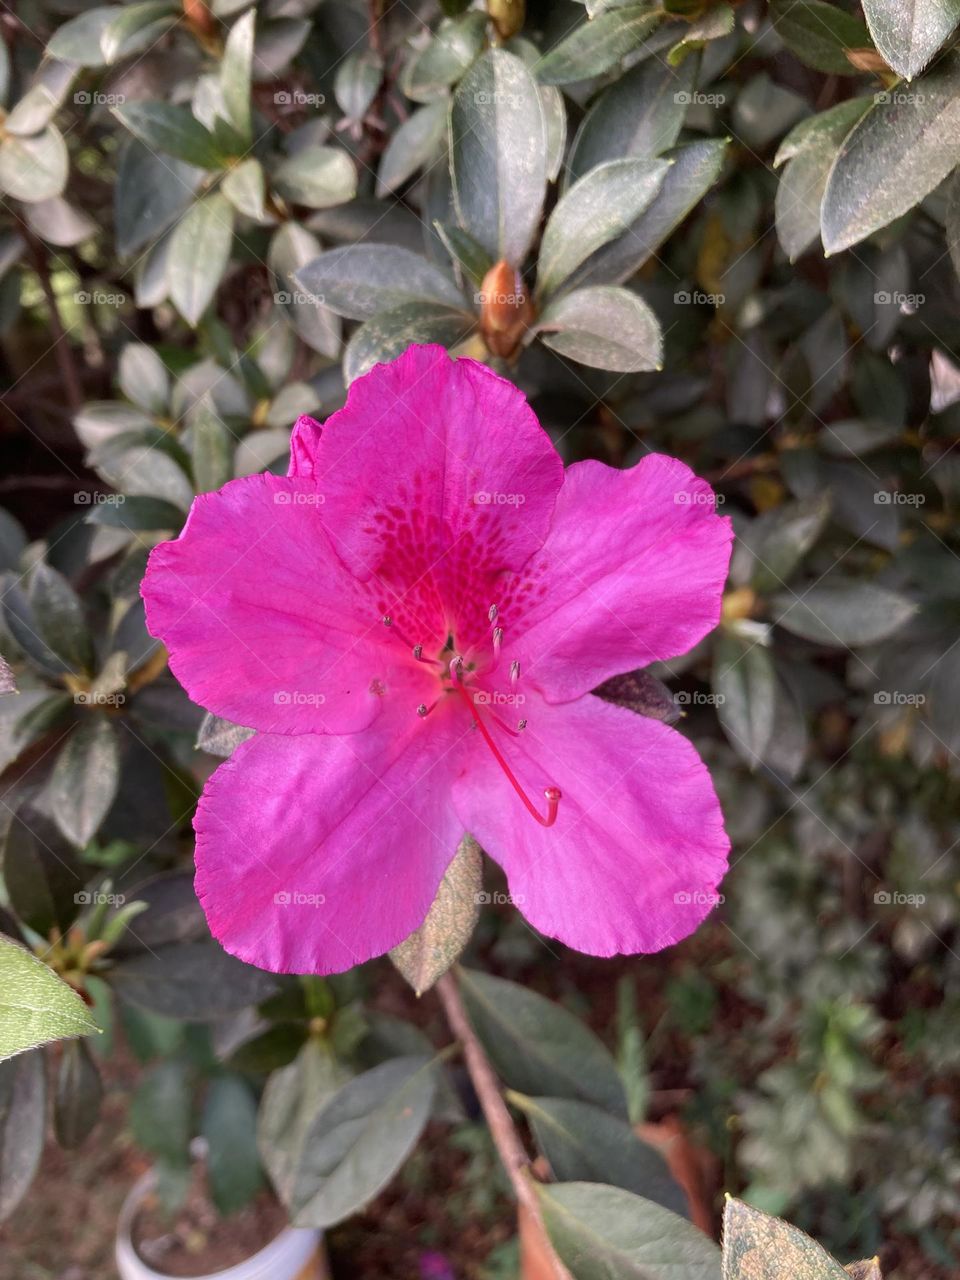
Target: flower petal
632 572
315 853
436 477
638 848
304 443
264 624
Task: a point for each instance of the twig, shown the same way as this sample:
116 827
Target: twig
505 1137
61 345
510 1149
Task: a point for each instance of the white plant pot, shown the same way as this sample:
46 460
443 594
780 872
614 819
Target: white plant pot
295 1254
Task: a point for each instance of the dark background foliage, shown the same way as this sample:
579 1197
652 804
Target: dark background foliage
727 232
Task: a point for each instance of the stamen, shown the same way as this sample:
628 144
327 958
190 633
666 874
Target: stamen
514 672
423 709
456 669
521 726
497 642
551 794
418 651
493 612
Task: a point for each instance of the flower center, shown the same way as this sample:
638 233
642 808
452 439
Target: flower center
454 675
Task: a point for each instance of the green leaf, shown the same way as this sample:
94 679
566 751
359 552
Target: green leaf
292 248
356 82
360 281
389 334
229 1125
843 613
59 222
537 1046
693 171
212 448
85 779
604 1233
764 110
414 144
79 1092
199 254
820 34
498 155
714 25
904 146
40 873
595 46
235 74
246 188
909 32
292 1099
430 950
759 1247
161 1112
59 617
79 39
40 103
35 1005
318 177
150 195
34 169
810 150
22 1127
640 114
136 26
194 981
144 378
220 737
161 126
584 1144
605 327
598 208
773 545
745 686
430 71
360 1139
136 512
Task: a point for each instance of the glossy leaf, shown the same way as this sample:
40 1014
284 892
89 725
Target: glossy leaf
498 155
360 1139
537 1046
605 327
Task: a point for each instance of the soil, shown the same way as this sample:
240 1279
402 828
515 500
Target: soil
197 1241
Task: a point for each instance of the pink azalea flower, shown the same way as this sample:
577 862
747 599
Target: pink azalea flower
413 620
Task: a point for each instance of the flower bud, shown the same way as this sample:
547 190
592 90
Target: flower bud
506 311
